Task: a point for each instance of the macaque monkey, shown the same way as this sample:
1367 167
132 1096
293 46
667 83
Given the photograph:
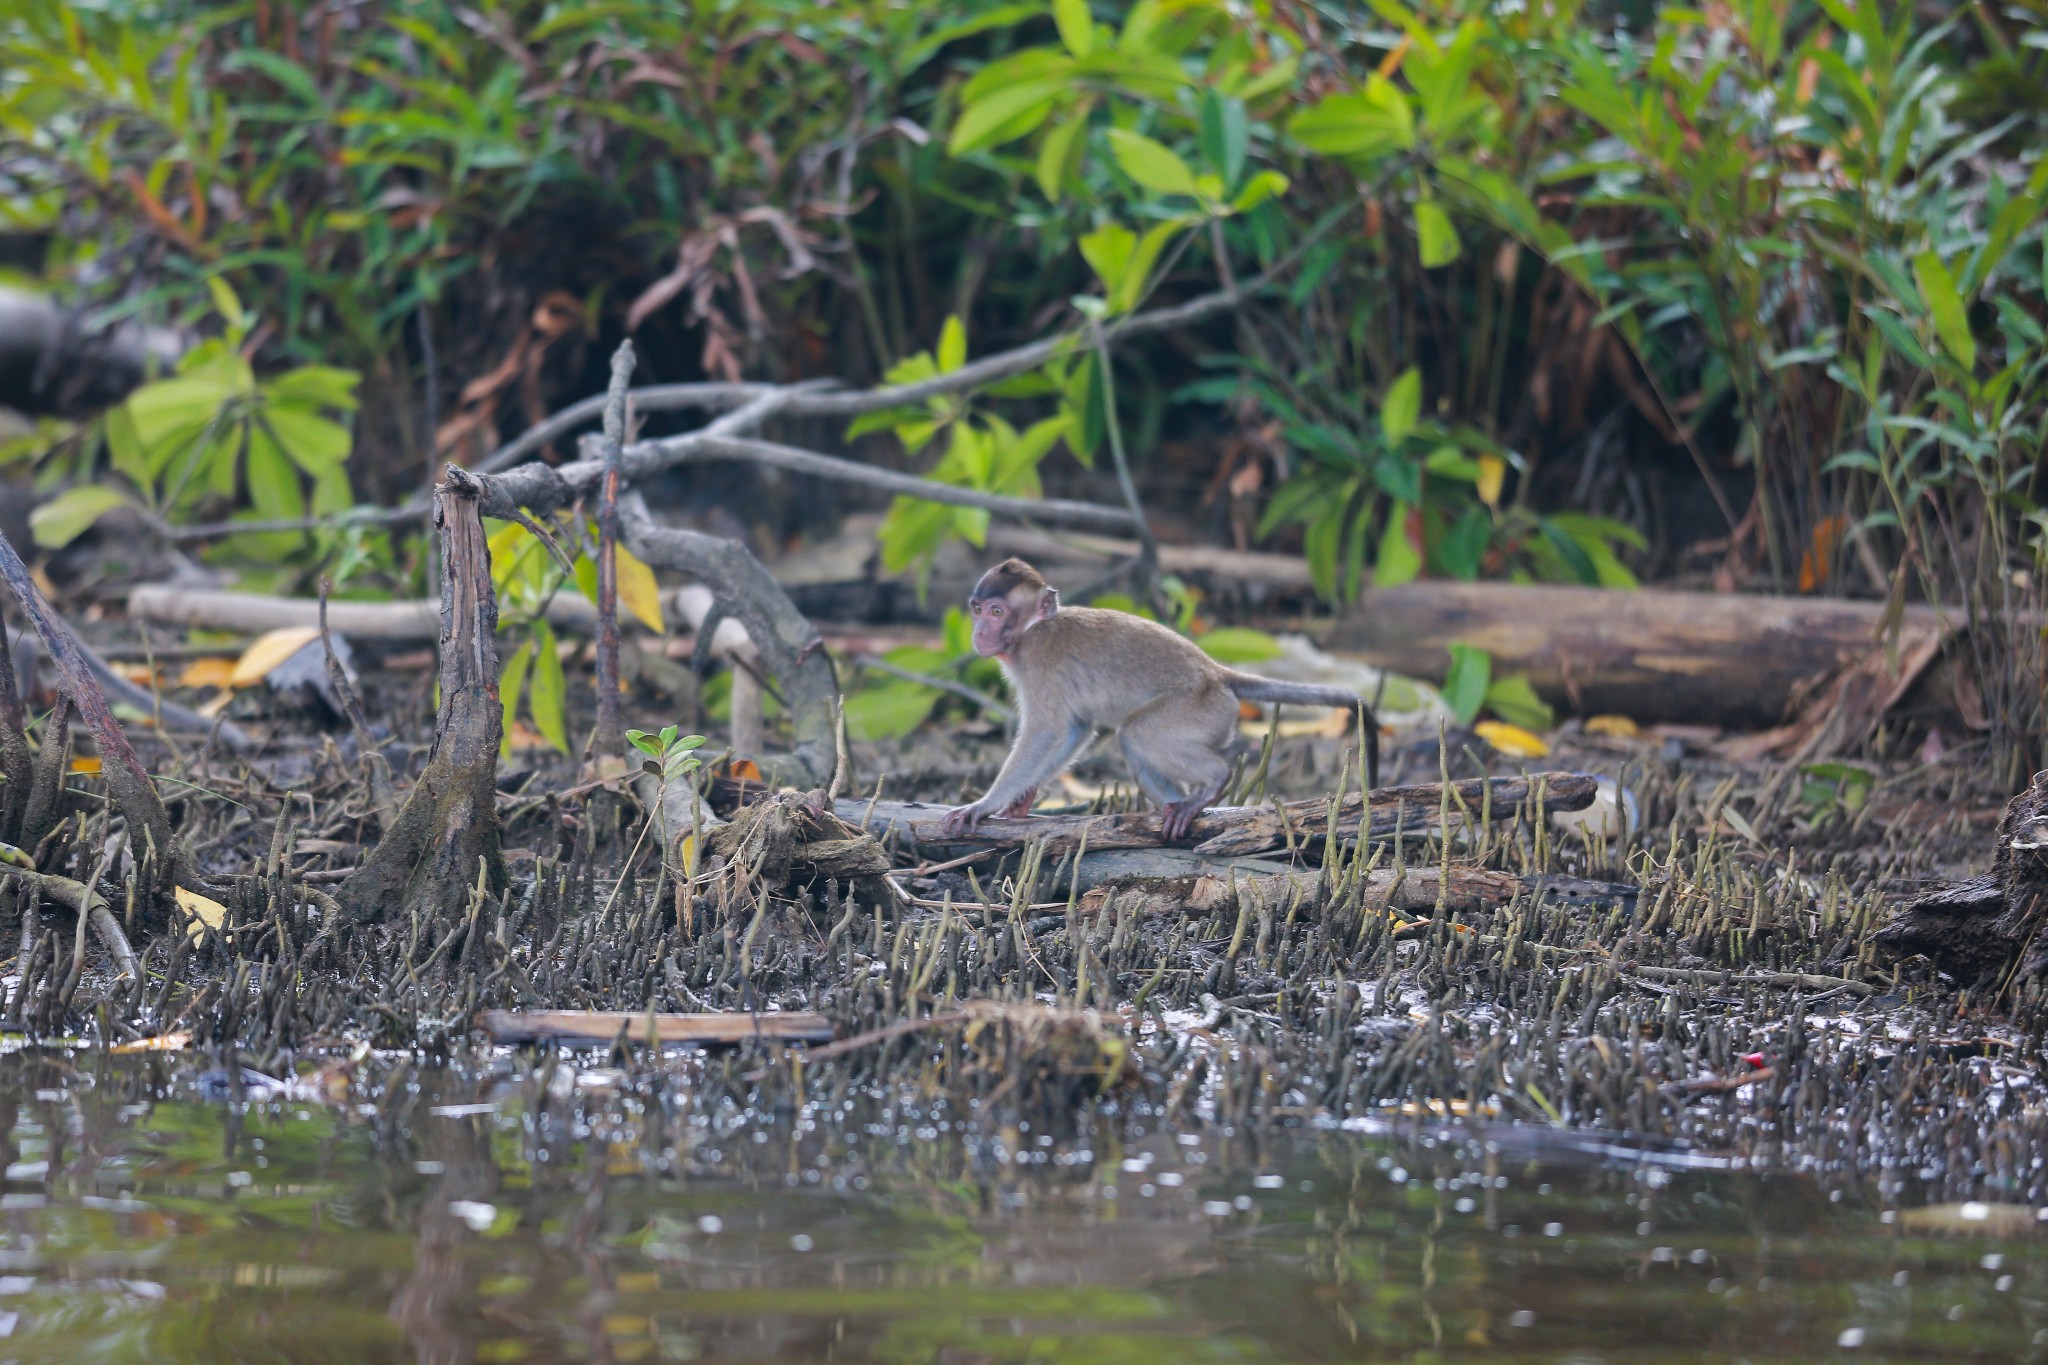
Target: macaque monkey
1075 670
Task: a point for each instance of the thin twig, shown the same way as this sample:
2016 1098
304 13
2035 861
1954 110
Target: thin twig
1148 546
610 734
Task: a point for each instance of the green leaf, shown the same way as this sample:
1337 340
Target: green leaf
1151 164
889 710
1465 685
1058 156
1945 304
1397 562
1516 702
1077 29
1370 123
1138 269
125 448
1239 645
1402 406
510 683
1226 134
72 513
227 304
313 443
273 483
548 703
1261 187
952 352
1004 116
1433 231
1108 253
315 386
177 409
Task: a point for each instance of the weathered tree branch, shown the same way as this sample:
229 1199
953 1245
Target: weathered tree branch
128 781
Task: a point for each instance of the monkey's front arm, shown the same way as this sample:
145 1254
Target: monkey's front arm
1042 750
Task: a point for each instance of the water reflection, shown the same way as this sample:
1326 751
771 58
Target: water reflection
502 1213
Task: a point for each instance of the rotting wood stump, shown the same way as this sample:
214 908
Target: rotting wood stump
1987 930
430 856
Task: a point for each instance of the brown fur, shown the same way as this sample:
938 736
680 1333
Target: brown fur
1076 670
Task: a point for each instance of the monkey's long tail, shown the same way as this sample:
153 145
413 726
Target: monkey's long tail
1251 687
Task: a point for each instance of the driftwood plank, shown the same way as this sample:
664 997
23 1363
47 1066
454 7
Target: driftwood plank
602 1026
1225 831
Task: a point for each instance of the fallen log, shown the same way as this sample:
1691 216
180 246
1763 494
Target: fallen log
1226 831
1171 881
255 612
605 1026
1697 658
1149 887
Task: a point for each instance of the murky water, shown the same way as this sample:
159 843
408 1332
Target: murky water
498 1214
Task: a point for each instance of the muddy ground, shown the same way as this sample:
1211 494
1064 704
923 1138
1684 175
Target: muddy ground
1717 989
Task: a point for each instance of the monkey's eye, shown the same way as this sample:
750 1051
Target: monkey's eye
995 609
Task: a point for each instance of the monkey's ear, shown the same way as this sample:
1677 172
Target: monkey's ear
1048 603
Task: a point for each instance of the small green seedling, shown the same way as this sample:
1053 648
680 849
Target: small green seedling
669 754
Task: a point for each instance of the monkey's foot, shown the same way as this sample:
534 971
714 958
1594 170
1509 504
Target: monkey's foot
1175 818
962 820
1021 807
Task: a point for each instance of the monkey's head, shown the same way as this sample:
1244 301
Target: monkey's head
1009 600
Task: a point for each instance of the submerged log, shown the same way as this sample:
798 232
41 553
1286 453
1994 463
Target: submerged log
1226 831
605 1026
1697 658
430 855
1987 930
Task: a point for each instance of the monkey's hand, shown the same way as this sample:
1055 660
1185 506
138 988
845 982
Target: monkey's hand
1021 807
964 819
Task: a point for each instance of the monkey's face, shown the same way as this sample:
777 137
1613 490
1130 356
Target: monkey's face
1000 621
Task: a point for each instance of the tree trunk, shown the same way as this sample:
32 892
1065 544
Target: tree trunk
428 858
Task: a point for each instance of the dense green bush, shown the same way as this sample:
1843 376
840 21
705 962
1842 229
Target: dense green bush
1548 247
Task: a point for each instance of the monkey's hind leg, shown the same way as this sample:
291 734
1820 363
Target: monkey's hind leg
1176 750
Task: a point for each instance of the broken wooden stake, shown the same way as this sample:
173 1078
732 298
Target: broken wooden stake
428 856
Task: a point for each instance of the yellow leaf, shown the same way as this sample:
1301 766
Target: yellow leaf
214 671
638 592
217 704
163 1042
1620 727
1512 740
1493 471
85 763
142 675
745 770
686 854
204 910
270 649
